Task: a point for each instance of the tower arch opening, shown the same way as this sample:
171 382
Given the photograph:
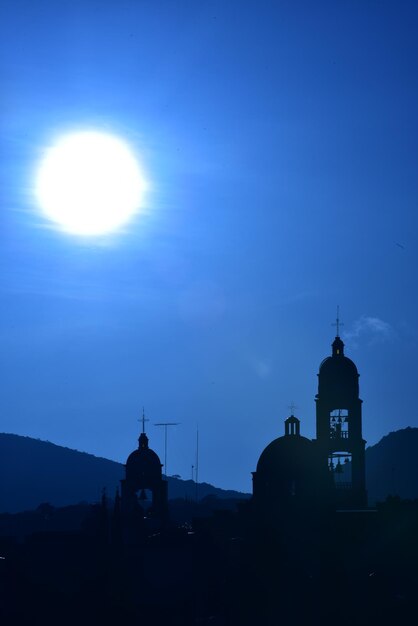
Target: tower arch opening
340 465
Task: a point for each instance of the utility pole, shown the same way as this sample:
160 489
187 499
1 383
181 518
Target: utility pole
166 425
197 464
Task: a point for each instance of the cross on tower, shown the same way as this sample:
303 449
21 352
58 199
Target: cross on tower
143 420
337 322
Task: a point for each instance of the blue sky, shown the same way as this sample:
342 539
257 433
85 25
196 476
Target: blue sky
280 143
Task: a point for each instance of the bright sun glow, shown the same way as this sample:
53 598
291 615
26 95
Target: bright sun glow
89 183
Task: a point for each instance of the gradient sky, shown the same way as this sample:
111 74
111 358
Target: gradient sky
280 140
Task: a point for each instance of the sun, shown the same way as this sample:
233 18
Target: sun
89 183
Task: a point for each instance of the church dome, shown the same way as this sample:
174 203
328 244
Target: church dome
289 475
288 457
338 375
143 462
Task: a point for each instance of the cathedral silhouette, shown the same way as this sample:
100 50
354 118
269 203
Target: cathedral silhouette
144 474
295 472
305 549
294 475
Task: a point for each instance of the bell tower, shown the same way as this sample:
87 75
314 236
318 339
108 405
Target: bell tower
339 427
143 472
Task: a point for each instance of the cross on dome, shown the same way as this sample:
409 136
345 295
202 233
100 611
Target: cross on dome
143 420
337 322
292 406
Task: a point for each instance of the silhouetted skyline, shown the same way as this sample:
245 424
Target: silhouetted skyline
279 140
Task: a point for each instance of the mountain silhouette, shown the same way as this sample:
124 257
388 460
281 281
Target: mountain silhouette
33 472
392 466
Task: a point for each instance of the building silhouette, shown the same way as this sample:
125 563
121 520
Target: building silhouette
296 473
288 475
144 482
303 550
339 427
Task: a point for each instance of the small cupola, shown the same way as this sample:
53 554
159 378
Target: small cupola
338 347
292 427
143 441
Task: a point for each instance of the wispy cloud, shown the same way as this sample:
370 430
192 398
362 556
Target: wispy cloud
262 367
369 330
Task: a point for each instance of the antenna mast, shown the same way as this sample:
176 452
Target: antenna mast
197 464
166 425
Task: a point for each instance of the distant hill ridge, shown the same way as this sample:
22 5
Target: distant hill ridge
392 466
34 471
